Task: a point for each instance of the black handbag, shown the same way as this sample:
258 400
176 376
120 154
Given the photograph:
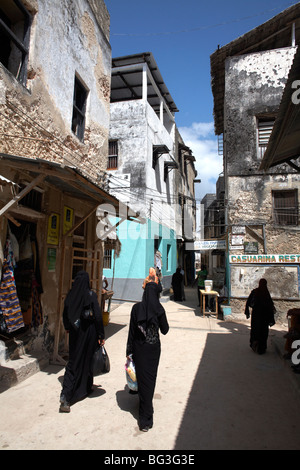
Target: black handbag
101 363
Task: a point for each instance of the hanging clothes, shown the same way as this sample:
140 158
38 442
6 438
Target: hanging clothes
9 302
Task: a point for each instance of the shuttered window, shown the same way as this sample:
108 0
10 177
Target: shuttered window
265 127
285 207
112 154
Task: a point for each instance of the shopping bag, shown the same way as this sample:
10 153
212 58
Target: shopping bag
101 363
131 375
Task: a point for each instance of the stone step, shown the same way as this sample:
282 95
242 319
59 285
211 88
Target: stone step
17 362
14 371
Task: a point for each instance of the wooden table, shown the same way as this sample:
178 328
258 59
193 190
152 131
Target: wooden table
203 294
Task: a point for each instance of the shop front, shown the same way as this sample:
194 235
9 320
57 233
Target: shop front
48 219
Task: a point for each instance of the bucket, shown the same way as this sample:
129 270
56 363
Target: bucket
226 310
208 285
105 317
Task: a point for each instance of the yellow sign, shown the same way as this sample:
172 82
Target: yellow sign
53 229
68 219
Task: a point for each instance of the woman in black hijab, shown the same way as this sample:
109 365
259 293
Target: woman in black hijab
84 335
262 317
147 318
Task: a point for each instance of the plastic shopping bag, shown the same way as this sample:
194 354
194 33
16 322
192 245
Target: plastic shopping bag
131 375
100 362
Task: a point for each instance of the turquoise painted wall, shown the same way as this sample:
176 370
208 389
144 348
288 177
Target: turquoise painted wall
137 252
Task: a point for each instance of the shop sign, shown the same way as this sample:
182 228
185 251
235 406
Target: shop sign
265 259
210 244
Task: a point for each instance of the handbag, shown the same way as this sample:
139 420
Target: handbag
100 362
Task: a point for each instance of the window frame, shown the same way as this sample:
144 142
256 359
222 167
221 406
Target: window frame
22 44
112 161
265 126
79 108
290 215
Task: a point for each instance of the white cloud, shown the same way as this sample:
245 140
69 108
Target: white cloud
204 145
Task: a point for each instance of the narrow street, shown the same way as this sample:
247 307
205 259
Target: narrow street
212 392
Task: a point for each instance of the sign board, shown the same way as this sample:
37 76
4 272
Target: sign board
265 259
210 244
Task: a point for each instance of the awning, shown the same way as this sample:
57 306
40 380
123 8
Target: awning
69 180
126 81
284 143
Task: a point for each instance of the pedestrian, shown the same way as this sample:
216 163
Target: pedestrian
143 343
262 316
201 276
84 336
152 277
177 284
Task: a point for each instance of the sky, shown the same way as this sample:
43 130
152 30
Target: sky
182 34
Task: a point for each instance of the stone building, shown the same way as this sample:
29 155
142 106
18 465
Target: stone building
55 72
150 169
261 204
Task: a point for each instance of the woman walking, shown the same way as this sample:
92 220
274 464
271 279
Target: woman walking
147 318
262 317
84 335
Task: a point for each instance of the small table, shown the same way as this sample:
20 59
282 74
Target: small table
203 293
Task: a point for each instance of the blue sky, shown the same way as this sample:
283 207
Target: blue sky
182 35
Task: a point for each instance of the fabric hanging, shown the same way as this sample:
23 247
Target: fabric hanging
9 302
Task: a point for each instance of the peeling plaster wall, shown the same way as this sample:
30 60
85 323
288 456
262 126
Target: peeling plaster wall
65 40
253 87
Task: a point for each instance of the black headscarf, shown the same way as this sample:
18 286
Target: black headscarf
79 296
150 308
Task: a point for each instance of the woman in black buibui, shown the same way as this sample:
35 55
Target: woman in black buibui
262 316
84 336
147 318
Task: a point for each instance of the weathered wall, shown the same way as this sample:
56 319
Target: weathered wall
254 87
65 40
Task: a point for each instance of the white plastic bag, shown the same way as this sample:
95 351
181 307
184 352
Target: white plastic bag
131 375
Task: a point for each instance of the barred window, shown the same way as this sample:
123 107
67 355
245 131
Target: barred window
112 155
107 258
285 207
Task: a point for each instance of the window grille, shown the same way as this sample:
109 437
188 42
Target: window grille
285 207
107 258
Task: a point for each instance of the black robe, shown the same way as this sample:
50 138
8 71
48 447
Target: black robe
262 317
177 279
83 341
147 318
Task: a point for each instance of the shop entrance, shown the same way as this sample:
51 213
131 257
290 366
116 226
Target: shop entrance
21 283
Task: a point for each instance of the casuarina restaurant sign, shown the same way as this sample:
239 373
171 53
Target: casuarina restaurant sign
264 259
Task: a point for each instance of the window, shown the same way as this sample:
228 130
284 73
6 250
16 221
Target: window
285 207
112 155
33 199
168 266
79 106
107 258
265 127
15 23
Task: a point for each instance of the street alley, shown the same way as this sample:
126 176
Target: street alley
212 392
